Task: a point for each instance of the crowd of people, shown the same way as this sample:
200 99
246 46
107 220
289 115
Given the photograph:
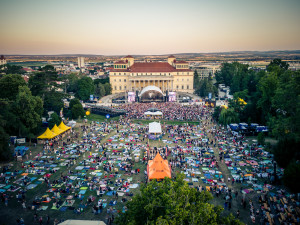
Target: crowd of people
97 166
170 110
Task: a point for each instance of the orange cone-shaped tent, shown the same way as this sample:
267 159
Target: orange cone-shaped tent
158 168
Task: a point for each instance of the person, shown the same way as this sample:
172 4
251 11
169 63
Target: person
237 213
41 220
48 219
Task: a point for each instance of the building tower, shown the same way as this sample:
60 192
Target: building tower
2 60
81 62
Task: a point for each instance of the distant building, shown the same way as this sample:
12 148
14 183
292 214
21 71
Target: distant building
2 60
81 62
205 70
172 75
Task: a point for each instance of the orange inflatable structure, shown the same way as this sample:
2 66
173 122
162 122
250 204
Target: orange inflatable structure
158 168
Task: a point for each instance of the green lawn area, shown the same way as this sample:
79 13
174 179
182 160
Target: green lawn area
167 122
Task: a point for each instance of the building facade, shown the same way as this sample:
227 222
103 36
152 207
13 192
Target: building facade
81 62
205 70
172 75
2 60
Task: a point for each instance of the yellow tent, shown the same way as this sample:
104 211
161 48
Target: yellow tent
63 127
48 134
56 130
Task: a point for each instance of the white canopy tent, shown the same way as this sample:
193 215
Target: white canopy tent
157 113
154 128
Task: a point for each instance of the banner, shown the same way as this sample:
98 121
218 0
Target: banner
172 96
20 140
131 96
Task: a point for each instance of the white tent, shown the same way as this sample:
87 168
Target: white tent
157 113
154 127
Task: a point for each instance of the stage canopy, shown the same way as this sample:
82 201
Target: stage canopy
154 128
56 130
63 127
158 168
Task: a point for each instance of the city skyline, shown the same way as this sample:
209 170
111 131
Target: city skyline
143 27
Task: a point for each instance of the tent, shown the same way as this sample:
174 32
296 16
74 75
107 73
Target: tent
63 127
158 168
56 130
154 128
48 134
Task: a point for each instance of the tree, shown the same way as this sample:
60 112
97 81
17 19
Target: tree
228 116
277 65
73 102
9 86
77 111
196 80
107 87
29 110
53 101
13 69
172 202
54 119
100 90
5 153
85 88
291 176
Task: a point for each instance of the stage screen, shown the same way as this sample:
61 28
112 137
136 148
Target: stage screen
172 96
131 96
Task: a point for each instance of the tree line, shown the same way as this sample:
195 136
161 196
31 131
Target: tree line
270 97
22 105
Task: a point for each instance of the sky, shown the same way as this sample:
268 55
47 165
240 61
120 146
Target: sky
118 27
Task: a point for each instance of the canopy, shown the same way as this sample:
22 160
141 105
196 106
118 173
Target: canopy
157 113
63 127
48 134
158 168
56 130
154 127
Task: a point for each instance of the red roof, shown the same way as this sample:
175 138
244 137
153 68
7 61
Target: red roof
152 67
180 62
120 62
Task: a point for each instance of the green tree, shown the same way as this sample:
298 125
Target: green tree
100 90
5 153
85 88
228 116
107 88
291 176
73 102
29 109
9 86
277 65
172 202
196 80
54 119
53 101
77 111
13 69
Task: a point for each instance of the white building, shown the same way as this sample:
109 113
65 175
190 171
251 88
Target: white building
2 60
81 62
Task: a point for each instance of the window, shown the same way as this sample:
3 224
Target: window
177 87
182 79
114 80
120 79
115 88
124 80
125 87
115 73
119 73
182 87
177 79
120 87
187 87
